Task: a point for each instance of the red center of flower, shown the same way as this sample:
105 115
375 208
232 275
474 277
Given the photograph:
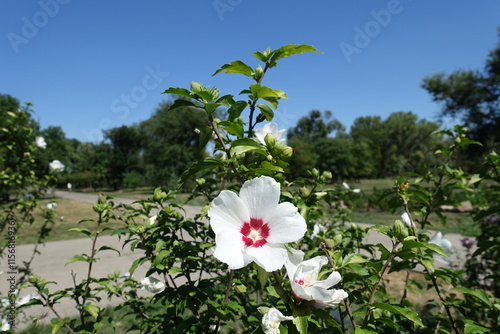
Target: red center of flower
254 233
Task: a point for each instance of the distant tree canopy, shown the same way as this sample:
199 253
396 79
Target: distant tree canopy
373 148
473 97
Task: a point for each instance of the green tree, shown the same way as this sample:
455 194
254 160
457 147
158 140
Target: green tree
17 138
170 143
304 138
473 97
125 157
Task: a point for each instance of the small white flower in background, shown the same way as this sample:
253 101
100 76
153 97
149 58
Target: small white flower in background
152 285
40 142
405 217
197 131
5 325
25 298
272 128
151 221
253 226
345 185
271 321
356 190
51 205
445 244
316 229
56 165
304 281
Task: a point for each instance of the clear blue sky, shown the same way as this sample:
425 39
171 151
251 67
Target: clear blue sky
92 65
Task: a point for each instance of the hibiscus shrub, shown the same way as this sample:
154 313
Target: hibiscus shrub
268 254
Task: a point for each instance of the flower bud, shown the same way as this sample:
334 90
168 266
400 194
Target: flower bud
327 176
304 192
270 140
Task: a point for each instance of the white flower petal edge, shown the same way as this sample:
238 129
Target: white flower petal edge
445 244
303 279
152 285
271 321
253 227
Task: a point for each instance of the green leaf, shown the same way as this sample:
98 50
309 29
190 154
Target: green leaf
262 275
236 66
76 258
92 309
472 328
266 111
259 92
83 230
353 258
289 50
174 270
233 128
360 330
301 323
405 312
178 91
56 325
103 248
478 294
208 163
182 104
244 145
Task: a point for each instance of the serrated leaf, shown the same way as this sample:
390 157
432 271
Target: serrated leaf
405 312
236 66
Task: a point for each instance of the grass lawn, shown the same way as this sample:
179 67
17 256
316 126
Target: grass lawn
68 215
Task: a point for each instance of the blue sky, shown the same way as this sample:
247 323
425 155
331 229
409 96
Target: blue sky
92 65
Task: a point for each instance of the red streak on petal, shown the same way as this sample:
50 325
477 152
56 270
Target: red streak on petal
245 229
248 241
259 243
256 223
264 231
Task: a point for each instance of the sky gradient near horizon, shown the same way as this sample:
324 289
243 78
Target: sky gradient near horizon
88 66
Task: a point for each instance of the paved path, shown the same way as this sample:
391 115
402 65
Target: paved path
50 264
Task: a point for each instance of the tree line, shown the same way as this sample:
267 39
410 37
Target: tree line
156 151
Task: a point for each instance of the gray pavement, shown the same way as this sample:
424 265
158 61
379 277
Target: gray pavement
50 264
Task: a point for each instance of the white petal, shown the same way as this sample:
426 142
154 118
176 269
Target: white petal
286 224
261 196
295 258
332 280
335 298
270 257
227 211
230 249
280 135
